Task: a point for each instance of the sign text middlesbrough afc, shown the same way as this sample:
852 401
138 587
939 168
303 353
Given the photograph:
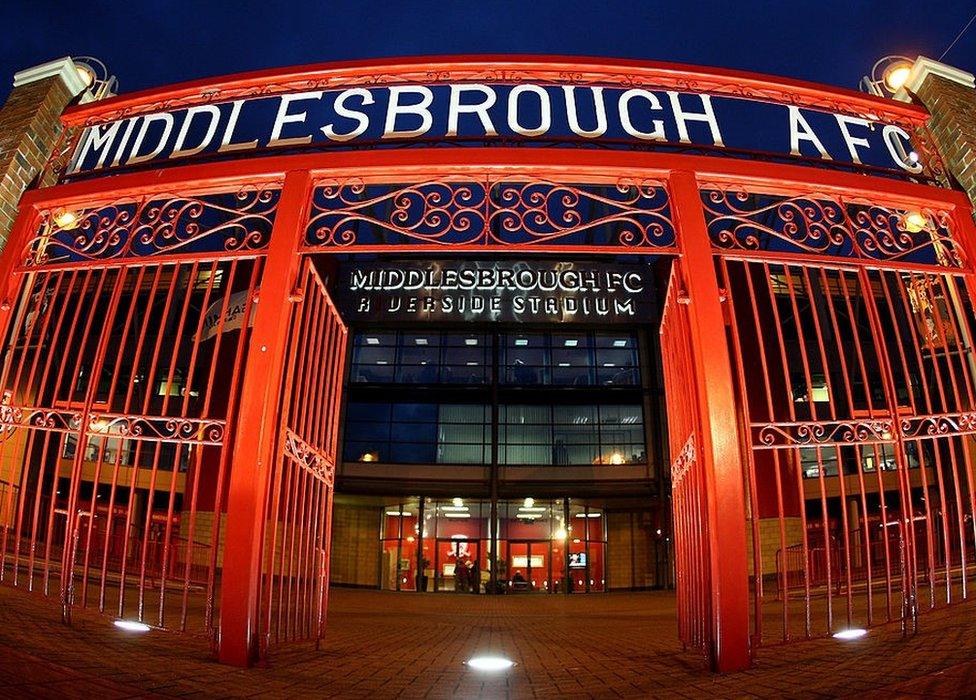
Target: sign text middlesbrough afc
485 113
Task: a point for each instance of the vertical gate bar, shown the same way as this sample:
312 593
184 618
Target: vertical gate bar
966 362
899 285
24 472
787 383
257 431
748 269
189 554
815 311
815 417
720 463
943 407
178 445
226 454
906 539
957 385
71 531
133 305
744 410
841 477
858 283
152 379
130 515
39 388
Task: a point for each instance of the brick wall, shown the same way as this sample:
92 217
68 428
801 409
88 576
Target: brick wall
29 128
636 559
355 545
948 94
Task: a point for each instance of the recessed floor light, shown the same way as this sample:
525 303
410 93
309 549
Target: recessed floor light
853 633
489 663
132 626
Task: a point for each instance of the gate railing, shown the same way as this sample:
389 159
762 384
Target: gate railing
295 579
852 326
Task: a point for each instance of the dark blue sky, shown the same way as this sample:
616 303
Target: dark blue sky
148 43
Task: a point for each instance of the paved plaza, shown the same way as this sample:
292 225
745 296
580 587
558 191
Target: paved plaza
385 645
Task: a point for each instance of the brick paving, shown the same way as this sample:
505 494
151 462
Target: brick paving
385 645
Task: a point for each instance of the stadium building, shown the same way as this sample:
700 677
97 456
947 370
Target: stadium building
489 326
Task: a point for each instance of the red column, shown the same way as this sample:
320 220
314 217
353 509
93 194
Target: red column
256 430
721 458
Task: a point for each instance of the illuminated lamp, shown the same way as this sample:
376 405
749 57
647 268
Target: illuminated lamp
489 663
132 625
915 221
369 457
888 75
458 502
896 76
86 74
529 502
849 634
66 219
560 534
616 458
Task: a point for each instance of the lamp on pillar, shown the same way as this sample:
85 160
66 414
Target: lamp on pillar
100 84
887 76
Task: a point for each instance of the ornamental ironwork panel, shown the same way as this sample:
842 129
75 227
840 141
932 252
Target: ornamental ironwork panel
158 224
630 214
828 225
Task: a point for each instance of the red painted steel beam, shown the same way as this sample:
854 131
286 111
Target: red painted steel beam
256 433
721 460
605 166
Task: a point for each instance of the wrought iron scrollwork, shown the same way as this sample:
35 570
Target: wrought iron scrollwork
511 211
200 431
159 224
826 225
309 457
683 462
939 425
819 434
13 417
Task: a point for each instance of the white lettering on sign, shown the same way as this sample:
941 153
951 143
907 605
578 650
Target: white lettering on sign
480 110
472 290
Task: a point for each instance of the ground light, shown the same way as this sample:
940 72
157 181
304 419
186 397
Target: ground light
132 626
489 663
853 633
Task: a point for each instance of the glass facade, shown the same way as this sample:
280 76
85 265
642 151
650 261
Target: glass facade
581 358
544 546
568 398
570 359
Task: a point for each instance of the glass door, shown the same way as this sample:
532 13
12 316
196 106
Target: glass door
458 566
528 566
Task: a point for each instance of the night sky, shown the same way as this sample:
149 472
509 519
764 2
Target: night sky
150 43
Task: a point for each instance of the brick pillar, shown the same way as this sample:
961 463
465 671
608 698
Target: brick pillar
948 94
29 129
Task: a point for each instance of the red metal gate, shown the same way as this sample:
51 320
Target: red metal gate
856 395
120 381
116 391
295 581
688 488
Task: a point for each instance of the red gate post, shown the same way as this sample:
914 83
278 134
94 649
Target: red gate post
256 431
721 459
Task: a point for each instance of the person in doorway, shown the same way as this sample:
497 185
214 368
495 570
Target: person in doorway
518 582
459 572
474 576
